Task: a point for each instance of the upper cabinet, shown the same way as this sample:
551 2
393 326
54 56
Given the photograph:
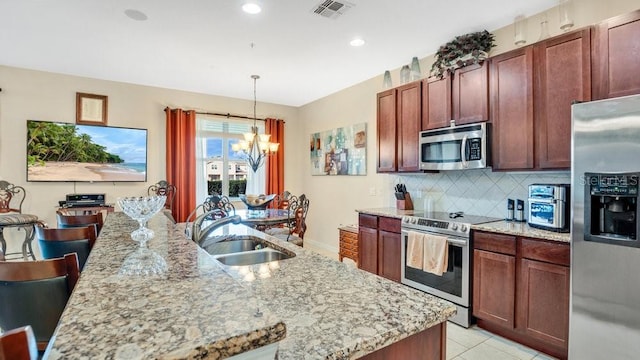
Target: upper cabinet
532 90
399 125
615 57
562 72
463 97
386 125
512 109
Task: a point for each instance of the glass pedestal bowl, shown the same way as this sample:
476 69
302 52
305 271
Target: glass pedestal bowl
143 261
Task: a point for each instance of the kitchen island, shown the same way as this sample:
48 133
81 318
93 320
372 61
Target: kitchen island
311 306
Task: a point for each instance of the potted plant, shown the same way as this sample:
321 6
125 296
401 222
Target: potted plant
463 50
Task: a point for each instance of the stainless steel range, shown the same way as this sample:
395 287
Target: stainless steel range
454 284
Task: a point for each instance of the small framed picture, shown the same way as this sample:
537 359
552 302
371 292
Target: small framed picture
91 109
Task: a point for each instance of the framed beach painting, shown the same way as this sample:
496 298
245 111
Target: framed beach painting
339 151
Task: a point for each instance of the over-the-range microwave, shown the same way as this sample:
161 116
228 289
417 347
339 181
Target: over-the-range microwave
455 148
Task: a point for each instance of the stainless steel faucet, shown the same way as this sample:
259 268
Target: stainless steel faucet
198 234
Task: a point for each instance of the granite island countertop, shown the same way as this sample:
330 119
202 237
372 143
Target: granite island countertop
327 309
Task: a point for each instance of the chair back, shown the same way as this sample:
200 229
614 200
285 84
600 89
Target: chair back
11 197
281 201
35 293
56 243
18 344
163 188
300 210
71 221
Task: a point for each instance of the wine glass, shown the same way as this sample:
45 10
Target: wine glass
143 261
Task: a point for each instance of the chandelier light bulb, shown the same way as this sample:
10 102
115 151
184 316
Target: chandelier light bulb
251 7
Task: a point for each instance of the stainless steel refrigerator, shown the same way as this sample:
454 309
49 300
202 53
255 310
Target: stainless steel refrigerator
605 248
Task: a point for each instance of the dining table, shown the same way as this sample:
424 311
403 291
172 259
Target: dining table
261 219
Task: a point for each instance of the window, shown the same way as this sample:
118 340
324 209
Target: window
222 170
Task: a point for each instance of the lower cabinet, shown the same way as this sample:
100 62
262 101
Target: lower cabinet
521 290
379 245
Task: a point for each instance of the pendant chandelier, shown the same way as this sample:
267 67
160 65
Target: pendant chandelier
255 147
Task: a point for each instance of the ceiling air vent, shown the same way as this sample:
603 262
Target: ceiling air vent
332 9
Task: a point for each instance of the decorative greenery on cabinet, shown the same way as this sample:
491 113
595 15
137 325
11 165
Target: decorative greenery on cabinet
463 50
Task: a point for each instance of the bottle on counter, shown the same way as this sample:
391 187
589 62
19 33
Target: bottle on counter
510 208
520 211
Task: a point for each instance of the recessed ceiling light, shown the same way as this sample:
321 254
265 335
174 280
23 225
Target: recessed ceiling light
251 7
135 14
356 42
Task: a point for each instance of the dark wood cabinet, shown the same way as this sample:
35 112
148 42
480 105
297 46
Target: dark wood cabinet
463 97
409 120
368 249
562 72
379 245
494 287
615 57
470 94
521 290
436 103
399 121
511 88
543 301
386 136
532 90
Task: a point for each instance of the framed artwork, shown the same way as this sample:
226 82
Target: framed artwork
340 151
91 109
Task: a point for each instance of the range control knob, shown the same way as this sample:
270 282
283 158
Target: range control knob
463 228
414 220
454 226
405 219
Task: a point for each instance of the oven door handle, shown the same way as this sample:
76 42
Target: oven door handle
457 242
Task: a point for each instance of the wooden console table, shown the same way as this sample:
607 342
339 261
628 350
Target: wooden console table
349 242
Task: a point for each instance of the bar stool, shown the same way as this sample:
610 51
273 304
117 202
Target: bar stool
11 216
18 344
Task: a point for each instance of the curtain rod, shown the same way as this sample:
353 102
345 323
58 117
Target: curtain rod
228 115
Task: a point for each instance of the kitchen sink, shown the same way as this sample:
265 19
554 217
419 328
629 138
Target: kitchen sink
232 244
253 257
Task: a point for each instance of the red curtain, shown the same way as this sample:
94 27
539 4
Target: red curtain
181 160
275 163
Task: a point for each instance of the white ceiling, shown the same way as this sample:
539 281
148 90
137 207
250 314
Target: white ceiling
204 46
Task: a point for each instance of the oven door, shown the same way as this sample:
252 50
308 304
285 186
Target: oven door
453 285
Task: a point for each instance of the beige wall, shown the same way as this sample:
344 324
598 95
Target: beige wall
34 95
334 199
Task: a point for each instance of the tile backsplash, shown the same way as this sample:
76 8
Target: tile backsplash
477 192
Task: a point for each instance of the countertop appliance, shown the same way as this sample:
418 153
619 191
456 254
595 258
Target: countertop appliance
548 208
455 148
604 322
454 285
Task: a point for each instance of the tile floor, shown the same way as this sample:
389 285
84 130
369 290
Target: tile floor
477 344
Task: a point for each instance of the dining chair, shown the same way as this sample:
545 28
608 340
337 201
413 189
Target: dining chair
294 232
35 293
163 188
281 201
211 203
11 216
56 243
18 344
71 221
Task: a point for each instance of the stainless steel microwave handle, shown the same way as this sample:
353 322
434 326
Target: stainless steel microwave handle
463 151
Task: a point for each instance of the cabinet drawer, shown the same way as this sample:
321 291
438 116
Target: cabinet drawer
366 220
349 245
389 224
551 252
500 243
